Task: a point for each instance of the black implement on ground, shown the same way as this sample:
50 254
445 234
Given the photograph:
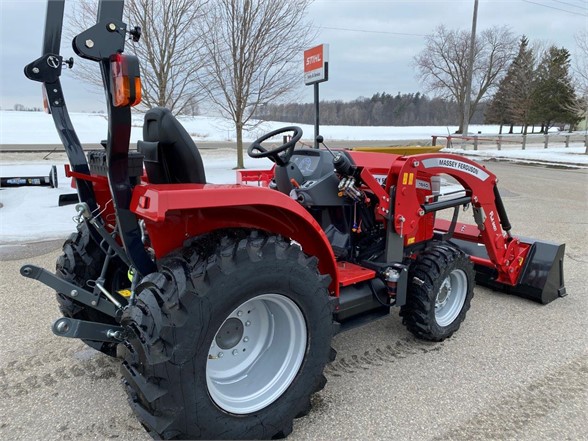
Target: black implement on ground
32 181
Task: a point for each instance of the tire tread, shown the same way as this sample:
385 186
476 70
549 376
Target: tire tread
151 356
430 267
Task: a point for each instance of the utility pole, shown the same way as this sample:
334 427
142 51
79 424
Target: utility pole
466 110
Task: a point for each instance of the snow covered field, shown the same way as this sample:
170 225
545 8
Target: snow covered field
32 213
38 128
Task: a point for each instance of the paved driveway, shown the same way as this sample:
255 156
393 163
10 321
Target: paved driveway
515 370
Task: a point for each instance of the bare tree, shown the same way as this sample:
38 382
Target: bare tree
82 16
442 64
254 49
581 78
581 60
168 50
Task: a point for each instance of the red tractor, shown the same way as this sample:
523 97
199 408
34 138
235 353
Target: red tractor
222 300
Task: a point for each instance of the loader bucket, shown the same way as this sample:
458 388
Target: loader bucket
541 279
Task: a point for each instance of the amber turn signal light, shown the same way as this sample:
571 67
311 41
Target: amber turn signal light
125 80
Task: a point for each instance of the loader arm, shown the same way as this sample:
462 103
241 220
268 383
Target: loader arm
521 266
507 254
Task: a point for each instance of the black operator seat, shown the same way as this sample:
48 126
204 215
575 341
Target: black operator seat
171 156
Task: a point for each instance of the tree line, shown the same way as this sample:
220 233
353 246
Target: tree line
382 109
442 65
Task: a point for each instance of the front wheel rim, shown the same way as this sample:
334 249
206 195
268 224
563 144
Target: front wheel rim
256 353
451 297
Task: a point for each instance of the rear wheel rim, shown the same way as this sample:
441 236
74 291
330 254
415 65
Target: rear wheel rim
451 297
256 354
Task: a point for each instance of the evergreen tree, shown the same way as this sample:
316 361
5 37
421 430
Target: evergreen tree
498 111
553 95
520 86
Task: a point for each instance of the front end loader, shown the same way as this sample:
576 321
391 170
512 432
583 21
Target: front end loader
222 300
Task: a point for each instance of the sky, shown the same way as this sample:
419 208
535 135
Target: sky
372 43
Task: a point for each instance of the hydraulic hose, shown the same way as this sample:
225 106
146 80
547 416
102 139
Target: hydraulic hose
501 211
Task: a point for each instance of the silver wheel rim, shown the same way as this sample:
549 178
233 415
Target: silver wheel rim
256 353
451 297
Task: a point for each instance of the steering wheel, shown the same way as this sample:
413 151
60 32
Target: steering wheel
256 150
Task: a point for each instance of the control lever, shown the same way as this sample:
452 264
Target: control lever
341 163
321 140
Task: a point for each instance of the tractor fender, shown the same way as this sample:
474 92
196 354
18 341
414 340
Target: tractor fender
175 212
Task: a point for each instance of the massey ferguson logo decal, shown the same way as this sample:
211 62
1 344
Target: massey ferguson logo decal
53 61
456 165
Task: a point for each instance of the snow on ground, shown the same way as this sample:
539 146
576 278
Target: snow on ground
535 153
38 128
32 213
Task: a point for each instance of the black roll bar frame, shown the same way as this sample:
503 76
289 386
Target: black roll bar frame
99 43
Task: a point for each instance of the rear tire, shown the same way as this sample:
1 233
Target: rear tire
441 287
228 341
82 261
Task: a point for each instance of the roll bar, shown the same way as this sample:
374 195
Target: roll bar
99 43
47 70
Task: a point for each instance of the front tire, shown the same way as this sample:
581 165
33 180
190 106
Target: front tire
228 340
441 287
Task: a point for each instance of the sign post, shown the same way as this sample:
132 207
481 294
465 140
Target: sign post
316 70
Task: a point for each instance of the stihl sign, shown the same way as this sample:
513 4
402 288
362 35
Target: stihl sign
316 64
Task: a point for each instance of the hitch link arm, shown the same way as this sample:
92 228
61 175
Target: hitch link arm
72 328
69 289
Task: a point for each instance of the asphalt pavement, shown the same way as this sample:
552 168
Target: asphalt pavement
516 370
